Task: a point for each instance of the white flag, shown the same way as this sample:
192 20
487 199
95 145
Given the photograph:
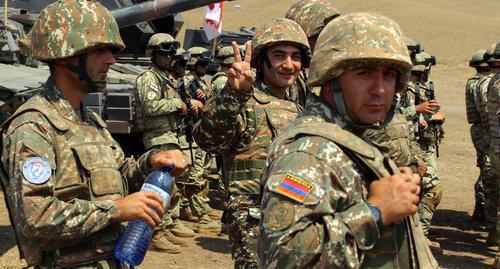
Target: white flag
212 23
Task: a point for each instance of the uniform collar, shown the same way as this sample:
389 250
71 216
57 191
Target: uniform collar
62 105
163 75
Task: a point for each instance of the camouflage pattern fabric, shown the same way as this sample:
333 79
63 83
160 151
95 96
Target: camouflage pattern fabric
312 15
477 134
494 124
277 31
68 27
487 174
73 206
219 80
329 224
161 105
431 186
351 39
240 127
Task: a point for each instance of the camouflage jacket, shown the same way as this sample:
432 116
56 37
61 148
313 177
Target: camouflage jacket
408 102
218 82
314 209
161 105
201 83
241 126
494 119
481 98
395 140
64 172
470 99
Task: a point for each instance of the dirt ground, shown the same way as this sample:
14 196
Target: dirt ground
449 29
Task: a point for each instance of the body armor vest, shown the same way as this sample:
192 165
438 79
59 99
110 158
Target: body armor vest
268 117
470 90
86 168
402 245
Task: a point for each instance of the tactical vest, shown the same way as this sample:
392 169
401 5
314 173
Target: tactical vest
396 138
481 90
85 168
163 123
268 117
402 245
470 90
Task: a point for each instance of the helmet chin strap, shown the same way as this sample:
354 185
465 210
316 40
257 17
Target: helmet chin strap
92 85
338 97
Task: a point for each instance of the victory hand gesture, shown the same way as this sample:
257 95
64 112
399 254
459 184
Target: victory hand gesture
240 75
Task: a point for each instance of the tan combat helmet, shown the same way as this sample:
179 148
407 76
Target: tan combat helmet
312 15
422 62
353 40
162 42
280 31
199 54
225 55
67 28
477 59
492 55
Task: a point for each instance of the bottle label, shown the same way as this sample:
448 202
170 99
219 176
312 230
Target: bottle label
152 188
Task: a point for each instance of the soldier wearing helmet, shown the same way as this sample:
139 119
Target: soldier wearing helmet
65 175
421 109
245 116
312 16
225 58
476 131
494 127
163 109
179 63
487 100
325 186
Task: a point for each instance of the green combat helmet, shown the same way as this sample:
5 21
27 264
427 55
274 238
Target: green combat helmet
199 54
492 55
225 55
412 45
422 62
162 42
355 40
478 59
280 31
312 15
67 28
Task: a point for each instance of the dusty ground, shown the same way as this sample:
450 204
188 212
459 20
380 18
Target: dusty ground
449 29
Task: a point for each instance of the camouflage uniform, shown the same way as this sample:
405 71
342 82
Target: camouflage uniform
64 170
431 187
312 15
161 105
488 176
241 126
314 210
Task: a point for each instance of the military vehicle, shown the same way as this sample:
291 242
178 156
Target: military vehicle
117 104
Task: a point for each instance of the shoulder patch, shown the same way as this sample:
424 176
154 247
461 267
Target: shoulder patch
151 95
36 170
154 87
294 188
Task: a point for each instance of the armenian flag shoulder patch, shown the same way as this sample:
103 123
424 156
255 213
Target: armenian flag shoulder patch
294 188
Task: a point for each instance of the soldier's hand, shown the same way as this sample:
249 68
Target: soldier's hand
396 196
200 95
240 76
173 158
428 107
141 205
196 106
183 108
423 123
439 116
422 168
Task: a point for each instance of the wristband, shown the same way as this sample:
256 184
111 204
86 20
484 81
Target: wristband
377 215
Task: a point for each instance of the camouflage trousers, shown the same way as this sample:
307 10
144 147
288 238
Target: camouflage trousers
187 188
481 145
243 215
192 184
432 191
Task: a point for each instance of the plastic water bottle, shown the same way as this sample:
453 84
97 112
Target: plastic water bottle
134 241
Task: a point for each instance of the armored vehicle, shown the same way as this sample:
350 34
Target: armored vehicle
20 78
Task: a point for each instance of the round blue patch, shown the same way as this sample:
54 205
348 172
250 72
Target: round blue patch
37 170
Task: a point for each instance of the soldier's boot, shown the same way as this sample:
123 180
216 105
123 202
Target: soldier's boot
207 225
160 243
175 239
435 246
478 214
179 230
493 238
187 215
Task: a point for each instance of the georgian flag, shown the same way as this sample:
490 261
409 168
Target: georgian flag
212 24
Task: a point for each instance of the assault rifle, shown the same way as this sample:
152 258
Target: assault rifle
418 101
437 128
187 121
